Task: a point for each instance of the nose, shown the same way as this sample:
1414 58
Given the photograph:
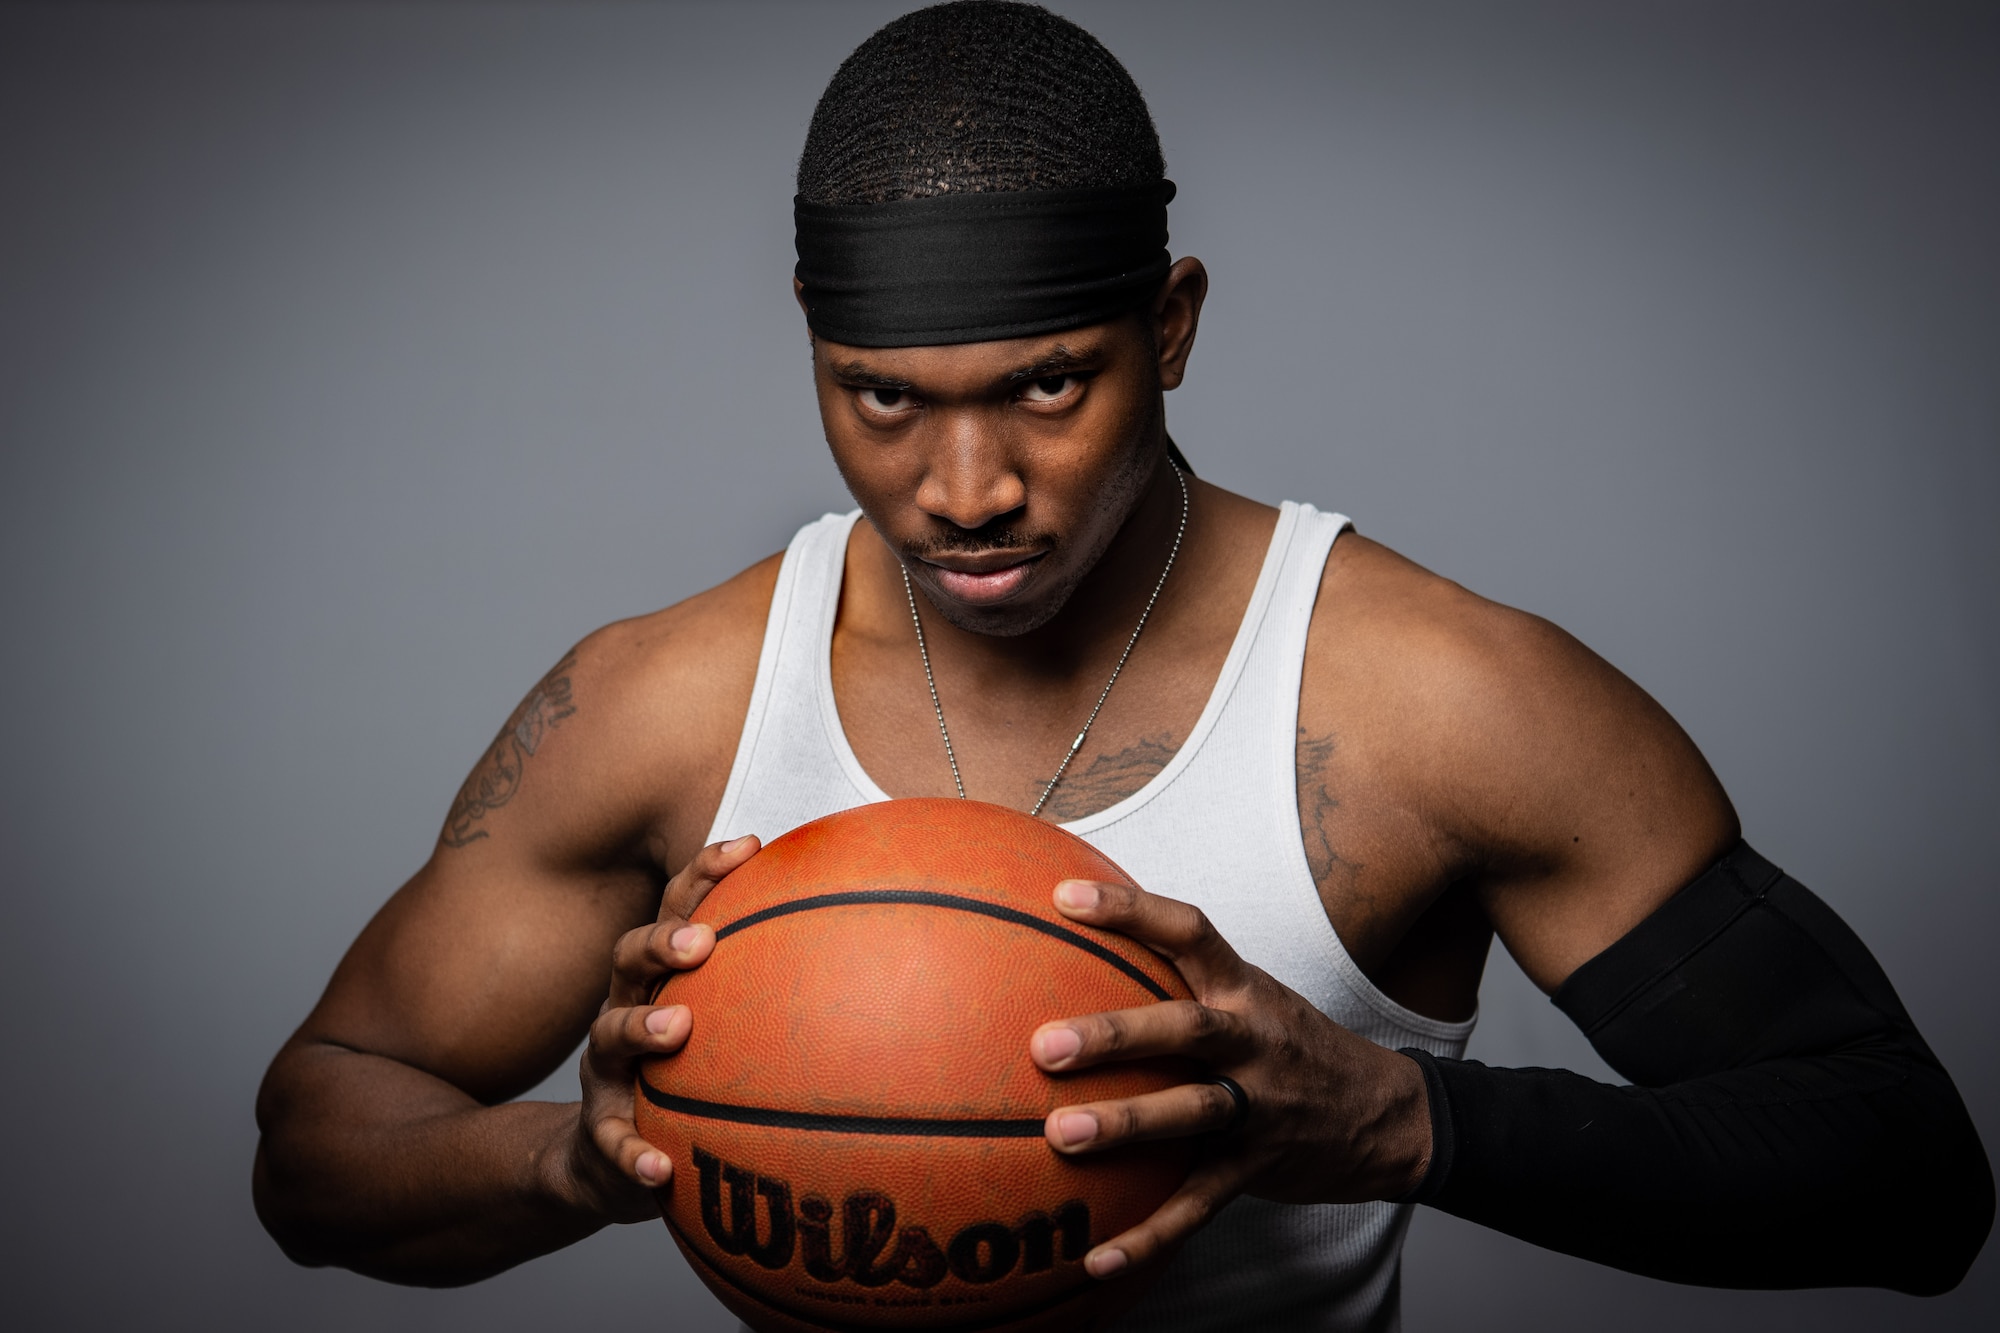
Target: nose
970 478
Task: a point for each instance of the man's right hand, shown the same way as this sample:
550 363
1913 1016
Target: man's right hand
610 1166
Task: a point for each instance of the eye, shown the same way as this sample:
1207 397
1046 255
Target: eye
1050 388
887 400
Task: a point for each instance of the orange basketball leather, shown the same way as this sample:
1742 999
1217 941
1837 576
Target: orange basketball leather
855 1124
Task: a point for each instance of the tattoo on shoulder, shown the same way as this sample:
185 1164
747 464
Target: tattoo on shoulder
1110 778
497 775
1316 806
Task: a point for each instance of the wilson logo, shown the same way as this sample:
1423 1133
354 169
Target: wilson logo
753 1216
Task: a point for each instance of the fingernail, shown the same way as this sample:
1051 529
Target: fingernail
1106 1262
735 844
1076 1127
660 1020
1077 894
652 1167
683 939
1058 1044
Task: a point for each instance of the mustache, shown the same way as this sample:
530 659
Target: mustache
978 541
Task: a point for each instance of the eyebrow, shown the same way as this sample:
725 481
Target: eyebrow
1063 358
854 372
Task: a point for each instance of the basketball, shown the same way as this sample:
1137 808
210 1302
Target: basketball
855 1123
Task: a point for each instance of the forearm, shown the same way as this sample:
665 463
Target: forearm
1790 1128
1857 1169
375 1166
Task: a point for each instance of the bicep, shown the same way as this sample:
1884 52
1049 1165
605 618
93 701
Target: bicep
1591 804
487 968
483 971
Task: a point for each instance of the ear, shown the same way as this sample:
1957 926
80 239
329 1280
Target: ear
1176 315
799 295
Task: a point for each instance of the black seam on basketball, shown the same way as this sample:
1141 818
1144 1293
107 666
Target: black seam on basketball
927 898
818 1319
903 1126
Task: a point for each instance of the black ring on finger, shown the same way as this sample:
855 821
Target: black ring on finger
1240 1112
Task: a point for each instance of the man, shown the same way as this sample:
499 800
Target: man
1357 772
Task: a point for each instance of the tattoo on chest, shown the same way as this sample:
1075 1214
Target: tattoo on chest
497 775
1110 778
1317 804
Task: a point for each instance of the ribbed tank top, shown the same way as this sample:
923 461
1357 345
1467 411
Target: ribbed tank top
1217 827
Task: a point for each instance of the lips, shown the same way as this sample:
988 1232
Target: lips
984 582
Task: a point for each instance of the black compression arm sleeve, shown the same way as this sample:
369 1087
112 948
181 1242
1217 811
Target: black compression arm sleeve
1788 1127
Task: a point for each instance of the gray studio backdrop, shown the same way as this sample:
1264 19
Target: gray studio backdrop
355 359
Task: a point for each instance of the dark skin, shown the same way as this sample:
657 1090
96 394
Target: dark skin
1464 770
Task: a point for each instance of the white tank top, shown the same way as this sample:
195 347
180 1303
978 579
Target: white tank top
1217 827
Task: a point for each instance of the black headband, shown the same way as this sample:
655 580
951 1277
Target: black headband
960 268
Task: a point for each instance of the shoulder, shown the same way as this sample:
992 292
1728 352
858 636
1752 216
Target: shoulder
689 658
1488 703
1388 624
1441 704
623 747
1528 758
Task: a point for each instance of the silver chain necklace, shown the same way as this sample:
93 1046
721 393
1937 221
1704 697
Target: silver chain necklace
924 651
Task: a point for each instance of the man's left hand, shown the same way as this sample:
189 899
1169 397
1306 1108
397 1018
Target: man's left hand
1333 1118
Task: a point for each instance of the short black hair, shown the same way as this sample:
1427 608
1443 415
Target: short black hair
977 96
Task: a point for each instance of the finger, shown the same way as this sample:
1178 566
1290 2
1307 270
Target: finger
620 1036
1171 1113
686 890
1176 930
1208 1189
643 956
1172 1027
619 1140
